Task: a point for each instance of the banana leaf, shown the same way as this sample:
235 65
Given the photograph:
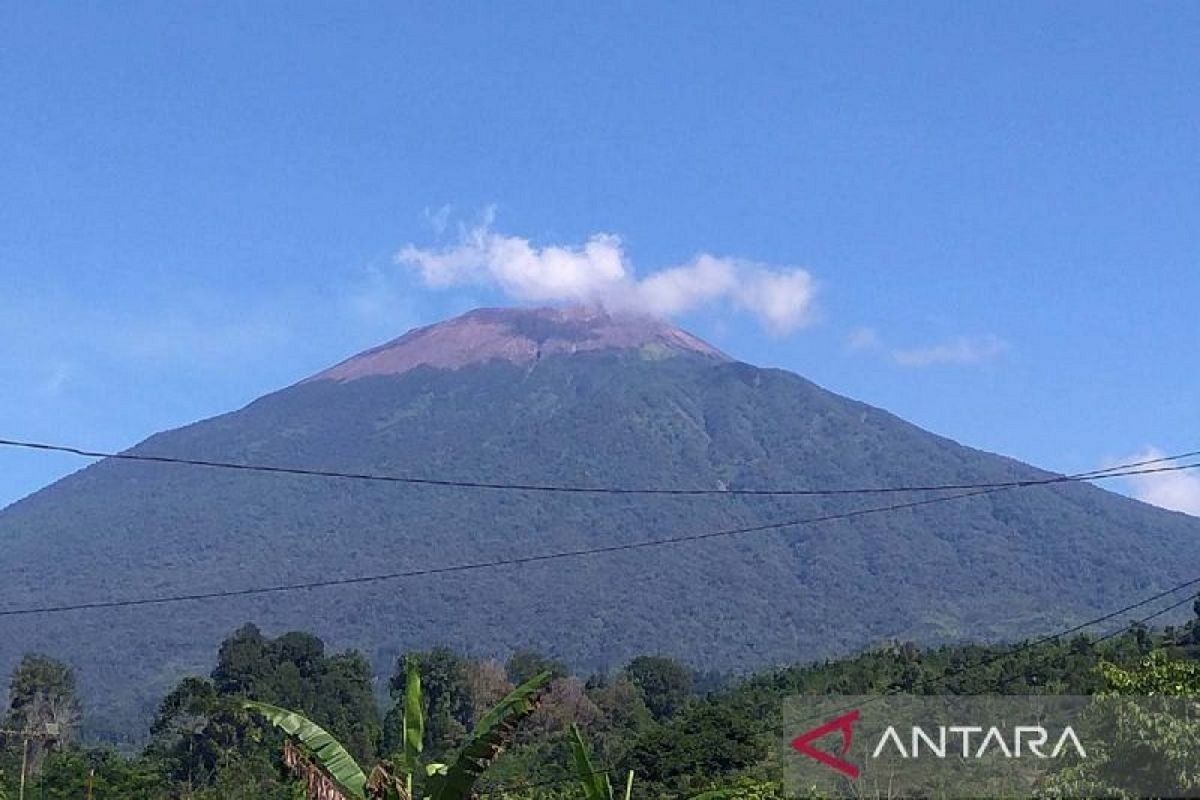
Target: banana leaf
414 717
489 738
329 754
596 785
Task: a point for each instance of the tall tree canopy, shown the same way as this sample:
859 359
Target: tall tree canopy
664 682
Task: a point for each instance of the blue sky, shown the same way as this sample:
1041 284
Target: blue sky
994 207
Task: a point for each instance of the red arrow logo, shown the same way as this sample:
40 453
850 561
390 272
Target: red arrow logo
845 724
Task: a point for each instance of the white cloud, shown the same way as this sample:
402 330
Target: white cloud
962 350
1178 491
598 271
782 300
861 339
677 289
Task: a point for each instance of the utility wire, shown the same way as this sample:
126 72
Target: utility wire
1112 472
977 489
516 560
504 562
954 672
1191 598
1034 643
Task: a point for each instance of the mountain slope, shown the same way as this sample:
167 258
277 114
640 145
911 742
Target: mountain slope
629 409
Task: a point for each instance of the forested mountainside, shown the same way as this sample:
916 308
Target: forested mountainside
530 397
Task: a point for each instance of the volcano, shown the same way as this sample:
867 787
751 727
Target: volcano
574 397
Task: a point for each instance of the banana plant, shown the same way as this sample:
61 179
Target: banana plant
595 784
331 773
414 724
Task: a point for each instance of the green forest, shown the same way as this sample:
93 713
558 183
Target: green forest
448 726
984 568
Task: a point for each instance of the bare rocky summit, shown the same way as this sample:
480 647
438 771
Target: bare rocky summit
518 335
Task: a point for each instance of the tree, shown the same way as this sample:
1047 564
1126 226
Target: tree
705 741
564 704
1156 675
42 702
330 773
487 682
1145 643
622 706
204 738
198 731
1144 733
242 662
39 679
1192 629
70 774
596 784
664 683
524 664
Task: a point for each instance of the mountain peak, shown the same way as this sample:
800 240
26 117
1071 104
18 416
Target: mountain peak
518 335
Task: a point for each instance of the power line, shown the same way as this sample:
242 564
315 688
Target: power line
504 562
517 560
976 490
1121 470
1148 618
954 672
1029 645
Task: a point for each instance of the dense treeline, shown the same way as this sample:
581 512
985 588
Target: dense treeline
680 733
